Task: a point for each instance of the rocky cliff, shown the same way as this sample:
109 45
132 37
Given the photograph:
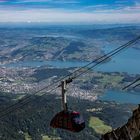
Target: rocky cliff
129 131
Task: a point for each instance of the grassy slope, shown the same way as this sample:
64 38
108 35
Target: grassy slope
27 136
98 125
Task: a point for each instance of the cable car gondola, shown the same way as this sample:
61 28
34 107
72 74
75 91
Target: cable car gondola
69 120
66 119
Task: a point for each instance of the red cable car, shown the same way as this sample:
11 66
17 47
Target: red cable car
69 120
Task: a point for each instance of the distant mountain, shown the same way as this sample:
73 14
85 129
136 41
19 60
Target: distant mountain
61 43
120 33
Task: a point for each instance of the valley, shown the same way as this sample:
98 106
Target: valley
32 58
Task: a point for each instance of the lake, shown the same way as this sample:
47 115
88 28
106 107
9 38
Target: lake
127 61
121 97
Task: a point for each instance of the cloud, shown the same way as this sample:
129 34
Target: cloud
69 11
48 1
56 16
96 7
136 7
31 1
2 1
117 8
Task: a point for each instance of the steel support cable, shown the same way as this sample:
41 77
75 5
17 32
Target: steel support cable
130 42
98 60
138 79
10 110
59 80
76 70
136 85
108 56
25 100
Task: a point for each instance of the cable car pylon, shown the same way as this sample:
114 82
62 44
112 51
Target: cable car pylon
64 96
66 119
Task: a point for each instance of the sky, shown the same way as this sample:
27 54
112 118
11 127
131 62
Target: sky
70 11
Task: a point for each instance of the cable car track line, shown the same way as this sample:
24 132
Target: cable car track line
10 110
136 86
73 75
109 56
138 79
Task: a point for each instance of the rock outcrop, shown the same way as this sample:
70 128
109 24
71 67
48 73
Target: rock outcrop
129 131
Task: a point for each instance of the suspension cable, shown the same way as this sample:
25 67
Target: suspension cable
73 75
131 84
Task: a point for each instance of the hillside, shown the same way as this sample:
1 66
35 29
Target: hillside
34 118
